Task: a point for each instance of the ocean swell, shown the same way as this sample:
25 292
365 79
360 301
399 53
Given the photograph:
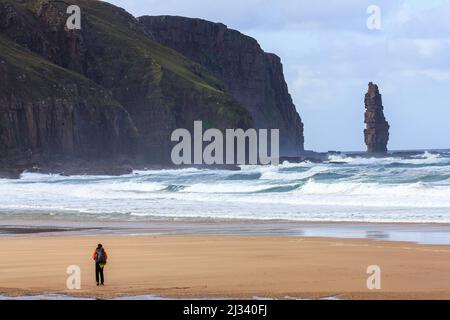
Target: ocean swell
413 189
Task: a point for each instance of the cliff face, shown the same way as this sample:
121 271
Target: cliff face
376 134
116 89
48 112
253 77
126 82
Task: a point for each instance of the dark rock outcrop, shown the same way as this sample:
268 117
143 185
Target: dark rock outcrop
376 134
99 91
253 77
107 97
48 112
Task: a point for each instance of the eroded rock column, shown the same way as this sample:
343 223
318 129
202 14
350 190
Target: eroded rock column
376 134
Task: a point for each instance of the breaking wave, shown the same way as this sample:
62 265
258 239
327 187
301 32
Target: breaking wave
412 189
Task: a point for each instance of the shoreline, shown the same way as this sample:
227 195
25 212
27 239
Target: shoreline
226 267
423 233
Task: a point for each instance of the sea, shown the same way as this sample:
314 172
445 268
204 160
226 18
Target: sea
414 188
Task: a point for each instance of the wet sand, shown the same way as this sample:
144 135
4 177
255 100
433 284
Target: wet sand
413 232
226 267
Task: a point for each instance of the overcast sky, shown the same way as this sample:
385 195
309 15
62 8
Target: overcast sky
329 56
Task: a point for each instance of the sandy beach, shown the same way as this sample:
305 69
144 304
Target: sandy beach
226 267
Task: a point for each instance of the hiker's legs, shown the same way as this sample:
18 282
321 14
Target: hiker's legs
97 271
101 275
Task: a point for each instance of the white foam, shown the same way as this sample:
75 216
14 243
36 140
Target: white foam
224 188
361 161
275 174
364 189
425 158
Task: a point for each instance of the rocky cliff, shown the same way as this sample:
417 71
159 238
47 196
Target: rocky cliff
48 112
110 91
157 88
376 134
253 77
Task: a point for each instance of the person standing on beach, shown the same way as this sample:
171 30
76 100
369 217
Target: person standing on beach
100 258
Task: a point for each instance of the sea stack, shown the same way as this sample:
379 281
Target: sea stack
376 134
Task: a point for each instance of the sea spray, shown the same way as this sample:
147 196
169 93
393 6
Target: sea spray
393 189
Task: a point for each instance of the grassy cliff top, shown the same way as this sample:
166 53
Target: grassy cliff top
27 75
119 29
